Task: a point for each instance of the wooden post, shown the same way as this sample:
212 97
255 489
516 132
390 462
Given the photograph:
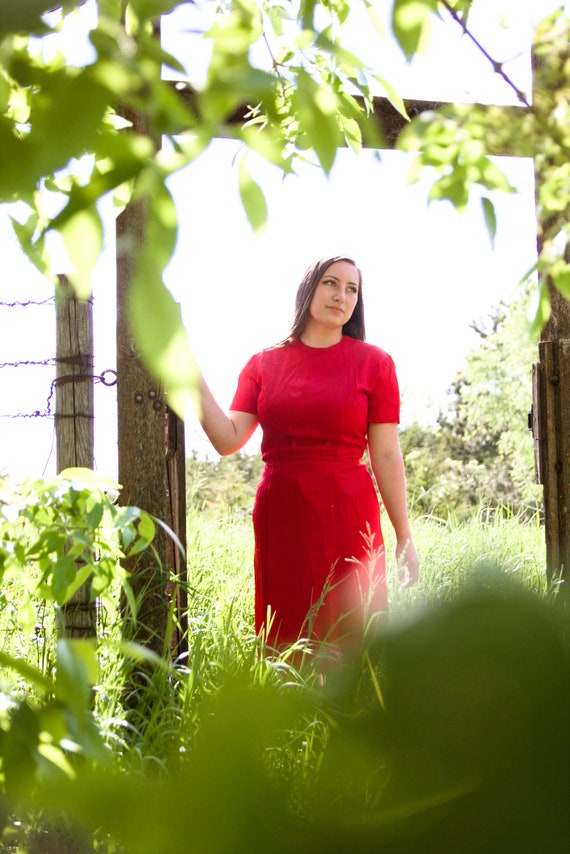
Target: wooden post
551 398
176 473
552 405
74 420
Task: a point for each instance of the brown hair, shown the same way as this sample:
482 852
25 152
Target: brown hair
353 327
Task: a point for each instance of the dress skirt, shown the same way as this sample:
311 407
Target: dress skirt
320 568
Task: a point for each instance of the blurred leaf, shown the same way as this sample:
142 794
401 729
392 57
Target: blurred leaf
29 673
395 99
315 107
252 199
83 238
34 250
411 24
490 218
24 16
67 112
561 278
77 672
81 478
120 159
352 134
155 316
542 309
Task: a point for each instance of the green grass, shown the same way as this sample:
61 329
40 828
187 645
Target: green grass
487 549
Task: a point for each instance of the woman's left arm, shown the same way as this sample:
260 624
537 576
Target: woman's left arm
388 467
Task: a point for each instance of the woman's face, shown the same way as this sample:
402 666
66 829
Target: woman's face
335 296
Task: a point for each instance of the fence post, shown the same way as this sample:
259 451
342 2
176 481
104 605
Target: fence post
74 420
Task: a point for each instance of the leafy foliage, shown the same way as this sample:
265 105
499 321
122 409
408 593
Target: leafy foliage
226 483
454 143
53 536
481 453
71 134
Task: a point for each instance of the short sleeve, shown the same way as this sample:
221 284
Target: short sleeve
248 387
384 398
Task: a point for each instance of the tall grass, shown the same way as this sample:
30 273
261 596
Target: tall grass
487 549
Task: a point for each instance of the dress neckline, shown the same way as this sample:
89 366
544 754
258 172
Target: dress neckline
322 349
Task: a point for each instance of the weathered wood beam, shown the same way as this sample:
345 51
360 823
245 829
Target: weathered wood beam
388 121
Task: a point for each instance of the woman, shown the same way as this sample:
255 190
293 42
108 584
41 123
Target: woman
321 397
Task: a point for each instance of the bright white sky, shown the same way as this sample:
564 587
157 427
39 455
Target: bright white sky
427 272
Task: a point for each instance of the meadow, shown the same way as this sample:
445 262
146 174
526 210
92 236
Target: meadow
447 731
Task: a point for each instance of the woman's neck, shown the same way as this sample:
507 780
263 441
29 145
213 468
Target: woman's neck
321 337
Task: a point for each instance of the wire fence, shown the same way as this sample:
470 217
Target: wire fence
17 334
28 383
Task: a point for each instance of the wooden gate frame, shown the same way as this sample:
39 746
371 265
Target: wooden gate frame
159 488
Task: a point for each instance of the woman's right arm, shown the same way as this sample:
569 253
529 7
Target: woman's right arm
228 432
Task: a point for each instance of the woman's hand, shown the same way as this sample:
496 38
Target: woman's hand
408 563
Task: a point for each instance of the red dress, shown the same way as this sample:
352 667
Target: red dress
318 540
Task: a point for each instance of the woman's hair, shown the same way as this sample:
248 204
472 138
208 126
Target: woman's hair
353 327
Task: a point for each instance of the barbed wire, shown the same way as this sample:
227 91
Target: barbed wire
50 362
26 303
108 377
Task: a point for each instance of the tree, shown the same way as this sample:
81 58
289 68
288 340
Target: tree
480 454
226 483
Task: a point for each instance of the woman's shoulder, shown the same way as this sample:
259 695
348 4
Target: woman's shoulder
269 355
367 351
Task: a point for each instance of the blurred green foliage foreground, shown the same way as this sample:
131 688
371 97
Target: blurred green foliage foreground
447 731
456 741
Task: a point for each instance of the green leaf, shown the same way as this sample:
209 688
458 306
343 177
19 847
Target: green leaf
155 317
120 158
411 24
35 251
66 117
145 9
375 18
352 133
26 671
252 199
161 337
146 527
543 308
64 570
561 278
24 16
490 218
83 239
77 672
83 478
393 97
452 187
315 106
306 13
